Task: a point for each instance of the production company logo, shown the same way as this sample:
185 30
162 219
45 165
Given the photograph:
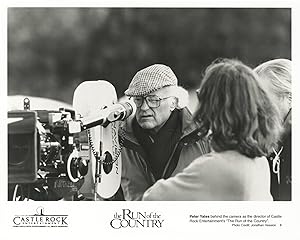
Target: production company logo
40 219
136 219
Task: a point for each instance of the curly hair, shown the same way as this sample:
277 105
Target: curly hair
236 110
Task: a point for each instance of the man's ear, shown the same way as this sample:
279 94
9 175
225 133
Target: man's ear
174 102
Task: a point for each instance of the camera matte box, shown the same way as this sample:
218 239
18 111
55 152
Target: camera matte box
23 146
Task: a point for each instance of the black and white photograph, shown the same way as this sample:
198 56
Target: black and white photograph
153 121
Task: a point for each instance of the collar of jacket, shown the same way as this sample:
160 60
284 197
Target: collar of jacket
188 126
287 126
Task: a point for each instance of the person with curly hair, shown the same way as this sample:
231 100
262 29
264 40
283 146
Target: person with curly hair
237 114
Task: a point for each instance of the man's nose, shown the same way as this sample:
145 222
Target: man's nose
144 105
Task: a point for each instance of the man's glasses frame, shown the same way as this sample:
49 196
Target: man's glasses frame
153 101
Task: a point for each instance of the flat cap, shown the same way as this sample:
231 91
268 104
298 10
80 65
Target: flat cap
151 79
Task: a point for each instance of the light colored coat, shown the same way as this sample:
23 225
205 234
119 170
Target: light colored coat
224 176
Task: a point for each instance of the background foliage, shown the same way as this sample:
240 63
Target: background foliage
52 50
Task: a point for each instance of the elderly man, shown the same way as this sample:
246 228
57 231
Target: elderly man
162 138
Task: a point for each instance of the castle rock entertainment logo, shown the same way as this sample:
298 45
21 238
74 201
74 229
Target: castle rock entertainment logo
40 220
130 219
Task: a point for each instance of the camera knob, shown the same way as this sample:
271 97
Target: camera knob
77 167
82 166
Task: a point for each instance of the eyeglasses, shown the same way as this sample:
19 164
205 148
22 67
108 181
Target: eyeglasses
152 101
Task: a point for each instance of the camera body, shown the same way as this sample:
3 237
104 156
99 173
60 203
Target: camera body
45 160
61 154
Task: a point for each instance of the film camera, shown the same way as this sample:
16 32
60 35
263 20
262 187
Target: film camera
49 151
45 160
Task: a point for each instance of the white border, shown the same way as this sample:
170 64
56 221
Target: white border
91 219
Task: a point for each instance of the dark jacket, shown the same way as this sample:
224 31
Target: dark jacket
137 176
281 181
